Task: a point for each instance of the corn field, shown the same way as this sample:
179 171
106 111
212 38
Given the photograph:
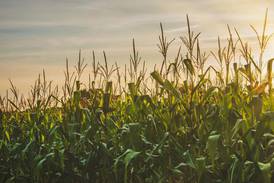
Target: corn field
183 121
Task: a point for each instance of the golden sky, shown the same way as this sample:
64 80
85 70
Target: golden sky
37 34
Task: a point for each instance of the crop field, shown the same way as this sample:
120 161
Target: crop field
184 121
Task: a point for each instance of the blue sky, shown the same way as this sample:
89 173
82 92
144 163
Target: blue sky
37 34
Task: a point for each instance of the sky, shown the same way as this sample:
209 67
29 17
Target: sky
40 34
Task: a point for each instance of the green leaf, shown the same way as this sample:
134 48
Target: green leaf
189 66
7 135
200 163
189 160
169 87
41 162
132 89
208 93
237 127
265 168
269 73
157 77
211 146
26 149
130 155
126 157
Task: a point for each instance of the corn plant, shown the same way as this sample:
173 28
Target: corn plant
185 122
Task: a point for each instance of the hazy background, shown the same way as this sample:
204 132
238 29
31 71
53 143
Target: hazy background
37 34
